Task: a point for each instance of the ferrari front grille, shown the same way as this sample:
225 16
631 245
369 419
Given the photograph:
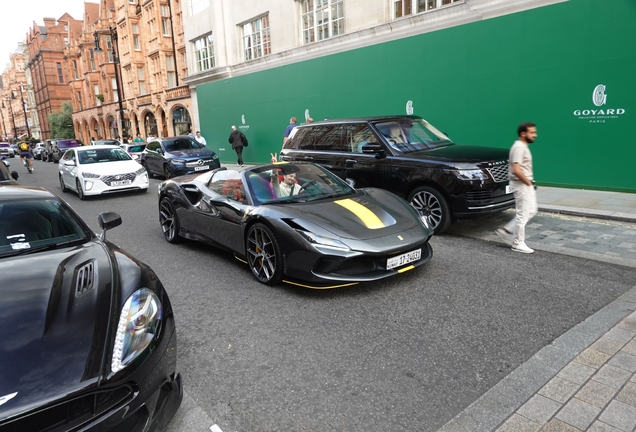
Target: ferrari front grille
119 177
355 266
499 173
68 415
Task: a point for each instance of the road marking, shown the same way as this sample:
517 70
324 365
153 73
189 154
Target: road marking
215 428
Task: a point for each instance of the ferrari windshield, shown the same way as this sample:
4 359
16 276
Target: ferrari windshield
31 225
410 135
285 182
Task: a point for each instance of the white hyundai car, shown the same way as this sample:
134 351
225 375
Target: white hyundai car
96 170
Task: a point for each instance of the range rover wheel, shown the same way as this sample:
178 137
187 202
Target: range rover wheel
169 221
429 202
264 255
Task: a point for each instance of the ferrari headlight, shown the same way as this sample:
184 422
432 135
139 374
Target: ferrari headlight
323 241
138 325
140 171
90 175
471 174
424 220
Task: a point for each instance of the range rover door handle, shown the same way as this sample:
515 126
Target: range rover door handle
308 158
285 158
351 161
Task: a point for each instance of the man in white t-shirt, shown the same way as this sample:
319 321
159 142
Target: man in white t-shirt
200 139
522 185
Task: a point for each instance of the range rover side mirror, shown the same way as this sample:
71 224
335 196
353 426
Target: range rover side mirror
372 148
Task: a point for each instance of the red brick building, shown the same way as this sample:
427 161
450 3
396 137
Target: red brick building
48 67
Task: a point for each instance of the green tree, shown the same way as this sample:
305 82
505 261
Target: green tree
61 122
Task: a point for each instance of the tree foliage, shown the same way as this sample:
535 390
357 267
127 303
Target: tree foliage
61 122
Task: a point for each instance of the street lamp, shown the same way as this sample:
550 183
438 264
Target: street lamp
26 120
113 37
4 127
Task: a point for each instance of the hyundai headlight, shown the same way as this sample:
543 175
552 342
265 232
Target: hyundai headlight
140 171
323 241
90 175
471 174
139 323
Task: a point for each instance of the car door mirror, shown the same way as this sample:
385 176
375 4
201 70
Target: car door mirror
160 151
372 148
108 220
69 163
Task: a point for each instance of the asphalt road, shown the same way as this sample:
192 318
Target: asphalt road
407 353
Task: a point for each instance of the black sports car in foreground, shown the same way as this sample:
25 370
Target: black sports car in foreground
87 332
297 223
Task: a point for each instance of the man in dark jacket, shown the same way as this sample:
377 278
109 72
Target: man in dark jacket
238 141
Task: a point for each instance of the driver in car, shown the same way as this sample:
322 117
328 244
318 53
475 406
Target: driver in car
288 187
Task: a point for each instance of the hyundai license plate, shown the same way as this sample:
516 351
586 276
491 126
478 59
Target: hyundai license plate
508 189
201 168
120 183
403 259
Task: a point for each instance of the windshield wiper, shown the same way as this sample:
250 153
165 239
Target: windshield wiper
48 247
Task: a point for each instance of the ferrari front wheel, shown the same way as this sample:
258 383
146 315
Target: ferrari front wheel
169 221
264 255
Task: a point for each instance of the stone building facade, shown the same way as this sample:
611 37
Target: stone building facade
16 116
140 65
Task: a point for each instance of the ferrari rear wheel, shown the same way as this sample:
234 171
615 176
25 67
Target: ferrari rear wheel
169 221
264 255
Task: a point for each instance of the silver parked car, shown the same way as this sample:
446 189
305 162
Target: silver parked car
6 150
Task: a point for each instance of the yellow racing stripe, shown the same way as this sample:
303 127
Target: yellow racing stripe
368 218
402 270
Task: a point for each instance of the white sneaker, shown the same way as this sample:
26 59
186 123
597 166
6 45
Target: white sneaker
505 236
523 248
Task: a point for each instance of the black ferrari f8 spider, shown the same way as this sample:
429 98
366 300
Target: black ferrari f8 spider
298 223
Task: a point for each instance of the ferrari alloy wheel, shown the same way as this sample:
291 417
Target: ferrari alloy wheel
62 185
80 191
263 255
431 203
166 172
169 221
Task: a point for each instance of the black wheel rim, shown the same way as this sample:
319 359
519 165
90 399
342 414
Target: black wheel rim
428 205
261 254
80 192
167 220
166 172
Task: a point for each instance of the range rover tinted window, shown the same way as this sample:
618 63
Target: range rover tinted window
299 140
332 138
411 135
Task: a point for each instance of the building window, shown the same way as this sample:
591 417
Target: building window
131 1
256 39
60 75
98 101
92 60
402 8
75 74
65 41
79 101
165 20
170 71
109 49
140 79
199 5
113 83
135 32
321 19
204 53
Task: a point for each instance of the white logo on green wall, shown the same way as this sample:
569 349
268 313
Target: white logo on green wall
599 98
243 126
409 108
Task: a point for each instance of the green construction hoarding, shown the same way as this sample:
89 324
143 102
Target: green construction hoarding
569 67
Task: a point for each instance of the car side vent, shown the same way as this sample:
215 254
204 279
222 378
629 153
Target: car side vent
85 278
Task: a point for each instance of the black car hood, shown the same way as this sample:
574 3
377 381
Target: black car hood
193 153
369 213
461 154
53 324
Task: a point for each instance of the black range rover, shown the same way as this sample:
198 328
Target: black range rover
411 158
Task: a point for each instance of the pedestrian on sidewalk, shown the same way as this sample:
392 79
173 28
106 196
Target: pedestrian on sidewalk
238 141
200 139
522 185
288 129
